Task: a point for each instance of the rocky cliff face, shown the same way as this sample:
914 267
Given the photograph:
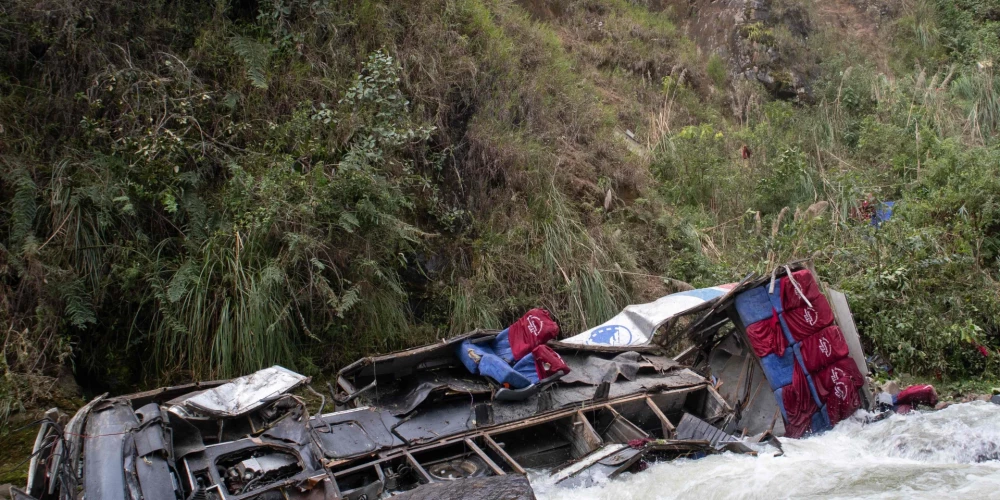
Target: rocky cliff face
756 39
769 40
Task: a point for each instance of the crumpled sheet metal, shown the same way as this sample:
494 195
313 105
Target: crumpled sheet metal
367 430
355 432
290 430
247 393
678 379
104 450
437 421
418 388
637 323
149 438
694 428
594 370
730 362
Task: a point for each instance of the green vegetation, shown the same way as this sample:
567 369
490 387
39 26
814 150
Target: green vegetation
207 189
716 69
196 189
923 286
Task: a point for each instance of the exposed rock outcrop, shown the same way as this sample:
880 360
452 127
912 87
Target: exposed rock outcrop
759 41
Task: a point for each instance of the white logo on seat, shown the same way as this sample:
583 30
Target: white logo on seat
824 347
810 316
840 390
839 379
534 325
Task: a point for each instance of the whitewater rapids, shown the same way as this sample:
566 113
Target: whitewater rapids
954 452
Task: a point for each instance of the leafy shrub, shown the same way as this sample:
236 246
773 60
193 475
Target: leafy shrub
757 32
693 166
716 69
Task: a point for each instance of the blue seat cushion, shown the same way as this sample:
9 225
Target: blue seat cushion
812 390
501 346
497 369
784 329
779 369
821 421
471 354
775 298
797 347
753 305
526 367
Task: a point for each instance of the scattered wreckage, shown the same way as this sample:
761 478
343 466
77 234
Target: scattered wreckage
470 416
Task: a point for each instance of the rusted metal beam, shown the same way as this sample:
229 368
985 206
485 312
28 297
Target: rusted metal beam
621 429
594 405
345 385
344 472
667 427
716 406
503 454
514 426
582 437
424 476
587 431
486 458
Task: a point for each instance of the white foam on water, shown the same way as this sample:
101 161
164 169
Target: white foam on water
952 453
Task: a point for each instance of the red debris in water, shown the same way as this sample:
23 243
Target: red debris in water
639 443
917 394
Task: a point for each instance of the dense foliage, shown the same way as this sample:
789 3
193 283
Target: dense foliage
198 190
924 284
195 189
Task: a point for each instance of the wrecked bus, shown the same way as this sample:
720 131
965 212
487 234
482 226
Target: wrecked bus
726 368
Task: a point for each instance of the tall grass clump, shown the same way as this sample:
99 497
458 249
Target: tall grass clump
216 188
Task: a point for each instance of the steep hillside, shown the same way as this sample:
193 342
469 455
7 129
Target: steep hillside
200 190
196 189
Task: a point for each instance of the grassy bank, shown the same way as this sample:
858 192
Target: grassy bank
196 190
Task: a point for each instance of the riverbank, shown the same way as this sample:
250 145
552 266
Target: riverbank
951 453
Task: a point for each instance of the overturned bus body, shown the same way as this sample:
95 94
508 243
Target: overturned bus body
722 369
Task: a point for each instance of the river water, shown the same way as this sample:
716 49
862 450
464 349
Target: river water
948 453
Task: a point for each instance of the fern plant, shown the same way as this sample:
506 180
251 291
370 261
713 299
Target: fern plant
256 57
